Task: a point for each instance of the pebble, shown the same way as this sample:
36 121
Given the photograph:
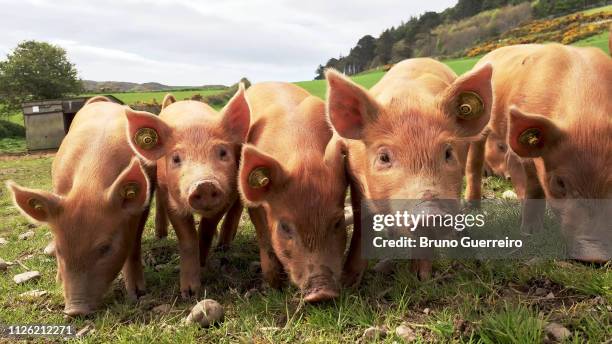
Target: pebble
50 249
540 292
509 194
3 242
85 330
3 265
26 276
162 309
250 293
406 333
557 331
26 235
550 295
205 313
373 333
426 310
33 294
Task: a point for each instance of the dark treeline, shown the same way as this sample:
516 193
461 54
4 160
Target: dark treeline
418 36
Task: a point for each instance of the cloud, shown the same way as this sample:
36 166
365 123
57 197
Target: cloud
187 42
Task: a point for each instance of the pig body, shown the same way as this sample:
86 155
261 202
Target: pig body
97 209
406 138
292 178
553 106
196 150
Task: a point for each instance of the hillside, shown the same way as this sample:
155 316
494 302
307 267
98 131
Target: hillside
472 28
91 86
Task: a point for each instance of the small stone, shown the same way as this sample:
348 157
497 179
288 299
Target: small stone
406 333
85 330
384 266
205 313
254 267
550 295
162 309
26 276
540 292
373 333
33 294
50 249
3 242
509 194
557 331
250 293
426 310
26 235
3 265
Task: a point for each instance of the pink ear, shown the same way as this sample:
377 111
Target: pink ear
349 106
36 205
168 99
259 174
97 99
530 135
237 115
147 134
130 191
475 91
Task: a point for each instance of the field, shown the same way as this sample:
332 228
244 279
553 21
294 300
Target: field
465 301
158 96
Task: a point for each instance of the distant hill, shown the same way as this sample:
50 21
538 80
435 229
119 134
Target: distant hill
91 86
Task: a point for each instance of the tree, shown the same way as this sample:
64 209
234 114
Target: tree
320 73
384 44
36 70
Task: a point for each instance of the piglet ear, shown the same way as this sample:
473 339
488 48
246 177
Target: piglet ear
130 191
37 205
259 175
335 152
147 134
350 107
530 135
237 115
468 101
168 99
97 99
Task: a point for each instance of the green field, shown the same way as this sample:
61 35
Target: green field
158 96
465 301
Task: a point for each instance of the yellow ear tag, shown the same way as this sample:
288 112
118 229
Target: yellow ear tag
130 190
469 105
530 137
36 204
259 177
146 138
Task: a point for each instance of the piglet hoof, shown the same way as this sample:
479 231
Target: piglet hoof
161 231
134 294
192 292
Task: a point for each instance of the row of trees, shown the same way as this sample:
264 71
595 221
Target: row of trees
36 70
419 36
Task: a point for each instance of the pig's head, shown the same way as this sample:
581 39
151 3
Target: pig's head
199 150
414 146
574 166
304 205
93 232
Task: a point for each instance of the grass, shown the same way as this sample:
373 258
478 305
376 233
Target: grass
598 9
158 96
468 301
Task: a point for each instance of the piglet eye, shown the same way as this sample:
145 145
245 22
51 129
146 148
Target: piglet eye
104 250
558 186
448 154
502 147
384 159
339 223
285 229
222 152
176 159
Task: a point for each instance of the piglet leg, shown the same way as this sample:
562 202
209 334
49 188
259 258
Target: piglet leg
271 267
230 225
133 275
184 226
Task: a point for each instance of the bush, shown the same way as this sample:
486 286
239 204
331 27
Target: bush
10 129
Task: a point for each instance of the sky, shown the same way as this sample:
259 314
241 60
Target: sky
189 43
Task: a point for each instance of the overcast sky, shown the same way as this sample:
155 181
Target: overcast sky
188 42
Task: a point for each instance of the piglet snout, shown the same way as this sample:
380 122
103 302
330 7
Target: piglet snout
205 195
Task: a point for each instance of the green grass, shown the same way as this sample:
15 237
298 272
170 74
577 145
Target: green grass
12 145
598 9
469 301
158 96
599 41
